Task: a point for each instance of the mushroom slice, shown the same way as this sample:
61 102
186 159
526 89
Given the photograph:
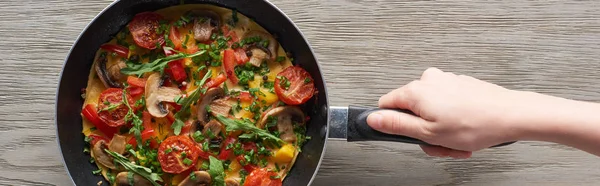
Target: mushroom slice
220 107
264 47
123 179
205 23
117 144
285 116
214 127
156 95
231 182
109 74
101 156
210 95
197 178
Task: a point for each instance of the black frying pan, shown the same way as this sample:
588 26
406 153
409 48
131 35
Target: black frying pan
326 121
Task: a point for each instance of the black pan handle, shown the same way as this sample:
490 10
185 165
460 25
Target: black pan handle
359 130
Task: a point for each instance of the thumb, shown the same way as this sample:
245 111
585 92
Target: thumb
398 123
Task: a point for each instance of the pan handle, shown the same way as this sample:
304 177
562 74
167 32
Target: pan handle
359 130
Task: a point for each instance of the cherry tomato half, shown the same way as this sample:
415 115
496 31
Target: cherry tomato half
144 28
118 49
171 154
294 85
111 108
262 177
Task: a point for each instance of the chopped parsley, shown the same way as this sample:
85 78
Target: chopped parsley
187 161
283 82
169 150
280 59
234 18
97 172
137 169
306 80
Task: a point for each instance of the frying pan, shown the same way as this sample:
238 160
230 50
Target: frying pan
326 121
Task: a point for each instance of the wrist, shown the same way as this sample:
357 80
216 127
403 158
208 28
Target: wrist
539 117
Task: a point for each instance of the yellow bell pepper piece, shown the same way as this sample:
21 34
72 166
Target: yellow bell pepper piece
285 154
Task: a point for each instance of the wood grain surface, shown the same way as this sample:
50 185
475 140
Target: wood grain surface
366 48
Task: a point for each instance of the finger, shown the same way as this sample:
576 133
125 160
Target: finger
402 97
439 151
398 123
431 73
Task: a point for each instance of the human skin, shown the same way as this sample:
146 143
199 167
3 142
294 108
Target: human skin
461 114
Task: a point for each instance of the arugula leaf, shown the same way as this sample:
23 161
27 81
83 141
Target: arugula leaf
185 104
137 169
231 125
216 171
156 65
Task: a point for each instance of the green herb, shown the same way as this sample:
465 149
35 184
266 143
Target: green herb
141 102
215 63
169 150
111 177
280 59
187 161
275 177
263 162
86 150
92 160
130 178
255 92
283 82
247 136
156 65
234 18
263 151
110 107
198 136
269 85
205 146
135 119
300 132
216 171
137 169
93 129
245 125
237 149
185 41
185 105
244 75
205 165
243 175
97 172
306 80
192 176
277 167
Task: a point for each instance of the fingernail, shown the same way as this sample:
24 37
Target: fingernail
374 120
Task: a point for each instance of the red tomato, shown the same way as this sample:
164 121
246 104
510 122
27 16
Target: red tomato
175 38
97 138
186 126
191 49
135 81
144 28
114 116
248 146
301 86
229 65
118 49
171 160
135 91
262 177
147 120
240 56
225 153
176 71
90 113
216 81
147 134
245 97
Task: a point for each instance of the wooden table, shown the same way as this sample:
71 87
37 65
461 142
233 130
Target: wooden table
366 48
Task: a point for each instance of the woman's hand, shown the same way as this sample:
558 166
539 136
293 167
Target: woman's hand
459 113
